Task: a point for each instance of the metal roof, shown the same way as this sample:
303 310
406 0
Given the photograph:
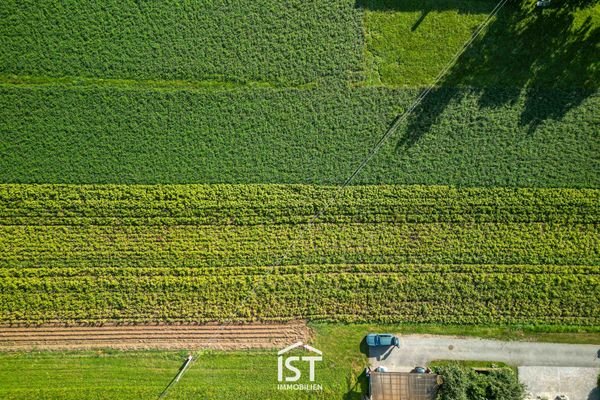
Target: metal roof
403 386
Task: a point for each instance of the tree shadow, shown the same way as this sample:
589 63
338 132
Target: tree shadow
420 19
360 389
544 59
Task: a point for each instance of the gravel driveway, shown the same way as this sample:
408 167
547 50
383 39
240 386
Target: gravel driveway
420 349
549 382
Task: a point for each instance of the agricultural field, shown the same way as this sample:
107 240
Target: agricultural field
177 162
311 136
231 375
233 252
262 42
228 375
114 103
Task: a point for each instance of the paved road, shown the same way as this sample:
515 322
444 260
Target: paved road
420 349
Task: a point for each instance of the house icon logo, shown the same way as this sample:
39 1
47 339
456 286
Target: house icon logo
288 371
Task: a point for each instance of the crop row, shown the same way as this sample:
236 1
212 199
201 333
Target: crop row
14 274
103 134
288 204
412 295
201 246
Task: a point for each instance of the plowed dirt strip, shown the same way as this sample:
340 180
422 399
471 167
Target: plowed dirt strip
136 337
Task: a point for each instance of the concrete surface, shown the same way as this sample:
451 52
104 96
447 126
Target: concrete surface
420 349
549 382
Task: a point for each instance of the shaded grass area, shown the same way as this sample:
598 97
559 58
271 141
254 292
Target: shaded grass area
228 375
527 47
410 41
388 254
71 134
523 50
295 42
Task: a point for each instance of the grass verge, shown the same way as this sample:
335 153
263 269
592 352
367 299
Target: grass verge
229 375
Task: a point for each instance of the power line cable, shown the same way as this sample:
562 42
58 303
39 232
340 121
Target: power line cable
396 124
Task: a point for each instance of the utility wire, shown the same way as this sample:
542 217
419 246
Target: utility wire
403 117
175 379
397 122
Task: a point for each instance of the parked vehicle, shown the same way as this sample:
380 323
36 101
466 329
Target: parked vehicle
382 339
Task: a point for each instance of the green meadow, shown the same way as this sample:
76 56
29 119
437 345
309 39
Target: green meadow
106 374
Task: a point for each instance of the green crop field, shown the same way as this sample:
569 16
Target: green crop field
232 94
60 134
295 42
247 252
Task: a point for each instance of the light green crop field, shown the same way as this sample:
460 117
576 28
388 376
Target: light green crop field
409 42
250 252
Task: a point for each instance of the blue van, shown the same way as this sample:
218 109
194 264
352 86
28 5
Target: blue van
382 339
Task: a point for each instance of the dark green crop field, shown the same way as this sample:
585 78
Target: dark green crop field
246 252
267 92
244 41
104 134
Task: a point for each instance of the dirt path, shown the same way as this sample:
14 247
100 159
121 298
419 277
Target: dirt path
132 337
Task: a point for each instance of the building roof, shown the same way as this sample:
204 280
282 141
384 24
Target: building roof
403 386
